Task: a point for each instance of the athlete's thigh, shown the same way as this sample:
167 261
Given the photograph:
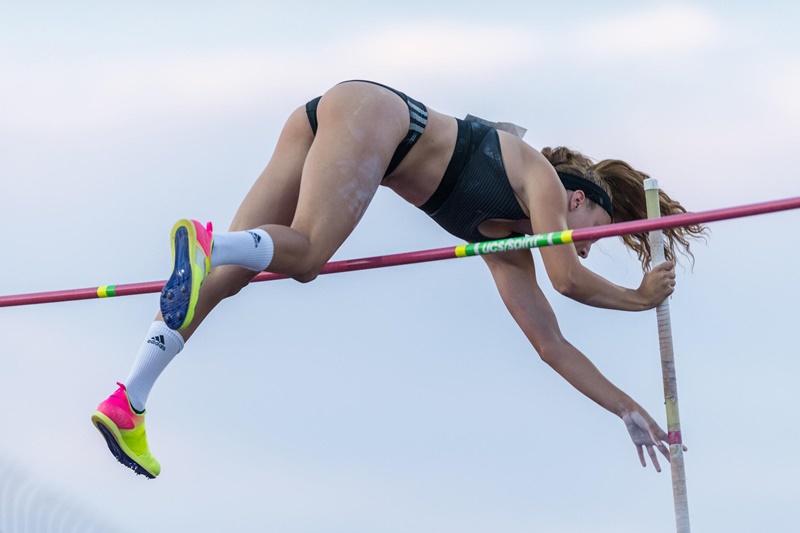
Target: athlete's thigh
273 197
360 126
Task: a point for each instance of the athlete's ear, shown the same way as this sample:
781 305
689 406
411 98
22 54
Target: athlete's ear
577 199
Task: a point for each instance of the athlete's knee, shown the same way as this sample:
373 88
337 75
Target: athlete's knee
309 268
310 263
306 277
303 255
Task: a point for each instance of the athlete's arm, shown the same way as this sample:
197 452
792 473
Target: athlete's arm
515 278
547 202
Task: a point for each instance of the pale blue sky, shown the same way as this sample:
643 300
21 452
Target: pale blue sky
402 399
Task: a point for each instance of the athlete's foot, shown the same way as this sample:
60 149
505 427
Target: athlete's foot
191 252
123 429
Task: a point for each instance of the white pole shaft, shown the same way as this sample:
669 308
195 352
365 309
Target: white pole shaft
679 493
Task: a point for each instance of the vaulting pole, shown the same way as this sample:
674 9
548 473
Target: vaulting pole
464 250
679 494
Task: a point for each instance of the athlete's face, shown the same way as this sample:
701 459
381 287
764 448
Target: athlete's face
583 213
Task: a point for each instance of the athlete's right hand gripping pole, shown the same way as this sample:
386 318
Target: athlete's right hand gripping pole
668 371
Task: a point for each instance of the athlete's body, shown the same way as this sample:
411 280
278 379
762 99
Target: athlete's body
328 163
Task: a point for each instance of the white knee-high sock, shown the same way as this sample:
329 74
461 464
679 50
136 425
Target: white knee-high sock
160 346
250 249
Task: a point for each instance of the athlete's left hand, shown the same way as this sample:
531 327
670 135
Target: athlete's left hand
658 284
645 433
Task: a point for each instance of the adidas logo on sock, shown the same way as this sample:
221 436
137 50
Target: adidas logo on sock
256 237
158 340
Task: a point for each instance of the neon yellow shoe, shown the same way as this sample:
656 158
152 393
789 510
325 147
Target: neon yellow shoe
123 429
191 252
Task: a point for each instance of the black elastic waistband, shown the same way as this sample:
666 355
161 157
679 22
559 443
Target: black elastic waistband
470 134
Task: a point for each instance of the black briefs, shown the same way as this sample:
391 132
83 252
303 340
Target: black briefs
475 186
417 113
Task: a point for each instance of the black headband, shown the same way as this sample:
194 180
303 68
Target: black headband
592 190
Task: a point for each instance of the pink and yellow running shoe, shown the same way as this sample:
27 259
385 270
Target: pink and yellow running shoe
123 429
191 252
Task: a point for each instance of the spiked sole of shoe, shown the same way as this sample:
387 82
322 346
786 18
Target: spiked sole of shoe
118 453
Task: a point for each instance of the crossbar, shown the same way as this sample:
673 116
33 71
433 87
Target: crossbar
437 254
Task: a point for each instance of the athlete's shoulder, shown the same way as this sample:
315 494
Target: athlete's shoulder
523 162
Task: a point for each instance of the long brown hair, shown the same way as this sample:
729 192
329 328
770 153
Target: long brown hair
624 185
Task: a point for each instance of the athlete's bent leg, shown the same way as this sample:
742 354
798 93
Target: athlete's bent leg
360 126
271 200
